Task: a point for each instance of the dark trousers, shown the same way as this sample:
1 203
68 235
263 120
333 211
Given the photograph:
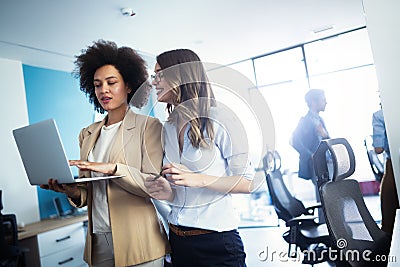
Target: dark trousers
389 200
207 250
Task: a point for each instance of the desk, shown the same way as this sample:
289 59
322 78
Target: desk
36 228
394 253
54 241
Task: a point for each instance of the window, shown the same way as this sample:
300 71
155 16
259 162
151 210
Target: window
343 67
339 53
285 66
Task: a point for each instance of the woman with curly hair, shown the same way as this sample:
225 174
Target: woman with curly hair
123 226
206 159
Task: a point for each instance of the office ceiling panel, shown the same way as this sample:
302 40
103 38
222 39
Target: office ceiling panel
48 33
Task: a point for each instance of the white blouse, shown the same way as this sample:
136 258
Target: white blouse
101 153
228 156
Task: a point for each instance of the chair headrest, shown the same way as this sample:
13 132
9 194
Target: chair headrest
272 161
339 163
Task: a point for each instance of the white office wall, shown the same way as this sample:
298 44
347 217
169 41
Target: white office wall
382 21
19 197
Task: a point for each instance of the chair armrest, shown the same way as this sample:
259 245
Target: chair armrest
300 219
311 209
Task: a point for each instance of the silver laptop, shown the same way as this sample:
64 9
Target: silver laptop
43 154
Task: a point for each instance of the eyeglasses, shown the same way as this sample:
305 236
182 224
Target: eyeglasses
157 76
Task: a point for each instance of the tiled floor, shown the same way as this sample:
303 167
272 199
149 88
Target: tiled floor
266 247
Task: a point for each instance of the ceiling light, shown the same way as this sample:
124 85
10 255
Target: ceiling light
127 11
323 28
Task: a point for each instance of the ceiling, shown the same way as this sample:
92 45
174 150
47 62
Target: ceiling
49 33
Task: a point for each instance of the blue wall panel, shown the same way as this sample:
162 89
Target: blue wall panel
56 94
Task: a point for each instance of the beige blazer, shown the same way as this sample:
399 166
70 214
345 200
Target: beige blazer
137 232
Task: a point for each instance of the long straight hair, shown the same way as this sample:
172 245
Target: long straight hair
192 93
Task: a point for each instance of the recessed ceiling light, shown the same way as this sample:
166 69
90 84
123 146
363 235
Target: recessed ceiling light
127 11
323 28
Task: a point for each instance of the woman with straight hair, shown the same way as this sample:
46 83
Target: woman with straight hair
205 161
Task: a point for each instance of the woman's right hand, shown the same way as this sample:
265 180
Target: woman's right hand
70 190
159 188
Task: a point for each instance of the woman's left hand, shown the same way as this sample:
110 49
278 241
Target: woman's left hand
179 174
83 165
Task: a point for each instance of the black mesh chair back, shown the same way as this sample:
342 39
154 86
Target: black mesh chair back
11 255
304 232
351 226
354 232
376 163
286 206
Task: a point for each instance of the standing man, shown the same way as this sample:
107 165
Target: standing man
308 134
388 194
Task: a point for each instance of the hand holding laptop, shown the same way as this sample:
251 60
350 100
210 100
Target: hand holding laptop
42 138
71 190
102 167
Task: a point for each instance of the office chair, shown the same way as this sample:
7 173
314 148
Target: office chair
356 237
377 165
11 255
304 232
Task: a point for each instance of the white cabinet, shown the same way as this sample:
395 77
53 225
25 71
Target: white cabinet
62 246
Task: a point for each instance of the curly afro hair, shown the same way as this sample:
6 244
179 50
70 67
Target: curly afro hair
127 61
